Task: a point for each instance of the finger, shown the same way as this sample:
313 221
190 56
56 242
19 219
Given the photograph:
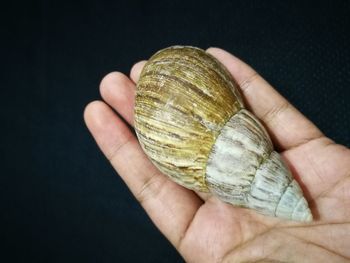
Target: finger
119 92
287 126
204 196
136 70
170 206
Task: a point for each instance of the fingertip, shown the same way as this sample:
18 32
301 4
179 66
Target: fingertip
221 53
238 69
214 49
110 78
94 114
90 110
112 81
118 91
136 70
108 130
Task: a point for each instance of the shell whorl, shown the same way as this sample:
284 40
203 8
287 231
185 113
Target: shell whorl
244 170
184 97
191 122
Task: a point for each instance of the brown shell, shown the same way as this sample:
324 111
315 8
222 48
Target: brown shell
184 97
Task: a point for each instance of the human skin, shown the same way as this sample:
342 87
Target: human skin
201 227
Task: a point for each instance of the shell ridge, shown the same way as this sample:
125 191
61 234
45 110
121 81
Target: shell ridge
237 153
279 200
226 76
212 148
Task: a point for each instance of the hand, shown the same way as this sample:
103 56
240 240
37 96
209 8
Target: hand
204 229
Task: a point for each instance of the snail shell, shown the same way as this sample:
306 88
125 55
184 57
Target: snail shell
191 122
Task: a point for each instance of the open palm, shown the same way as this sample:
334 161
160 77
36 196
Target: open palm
204 229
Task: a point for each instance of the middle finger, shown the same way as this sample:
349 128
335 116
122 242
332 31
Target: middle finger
119 92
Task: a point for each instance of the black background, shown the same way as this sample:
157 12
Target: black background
62 202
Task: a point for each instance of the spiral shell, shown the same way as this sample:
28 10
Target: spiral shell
191 122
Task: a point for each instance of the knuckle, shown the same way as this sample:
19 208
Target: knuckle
117 148
151 188
246 84
275 112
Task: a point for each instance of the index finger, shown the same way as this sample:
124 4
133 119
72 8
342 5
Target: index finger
286 125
